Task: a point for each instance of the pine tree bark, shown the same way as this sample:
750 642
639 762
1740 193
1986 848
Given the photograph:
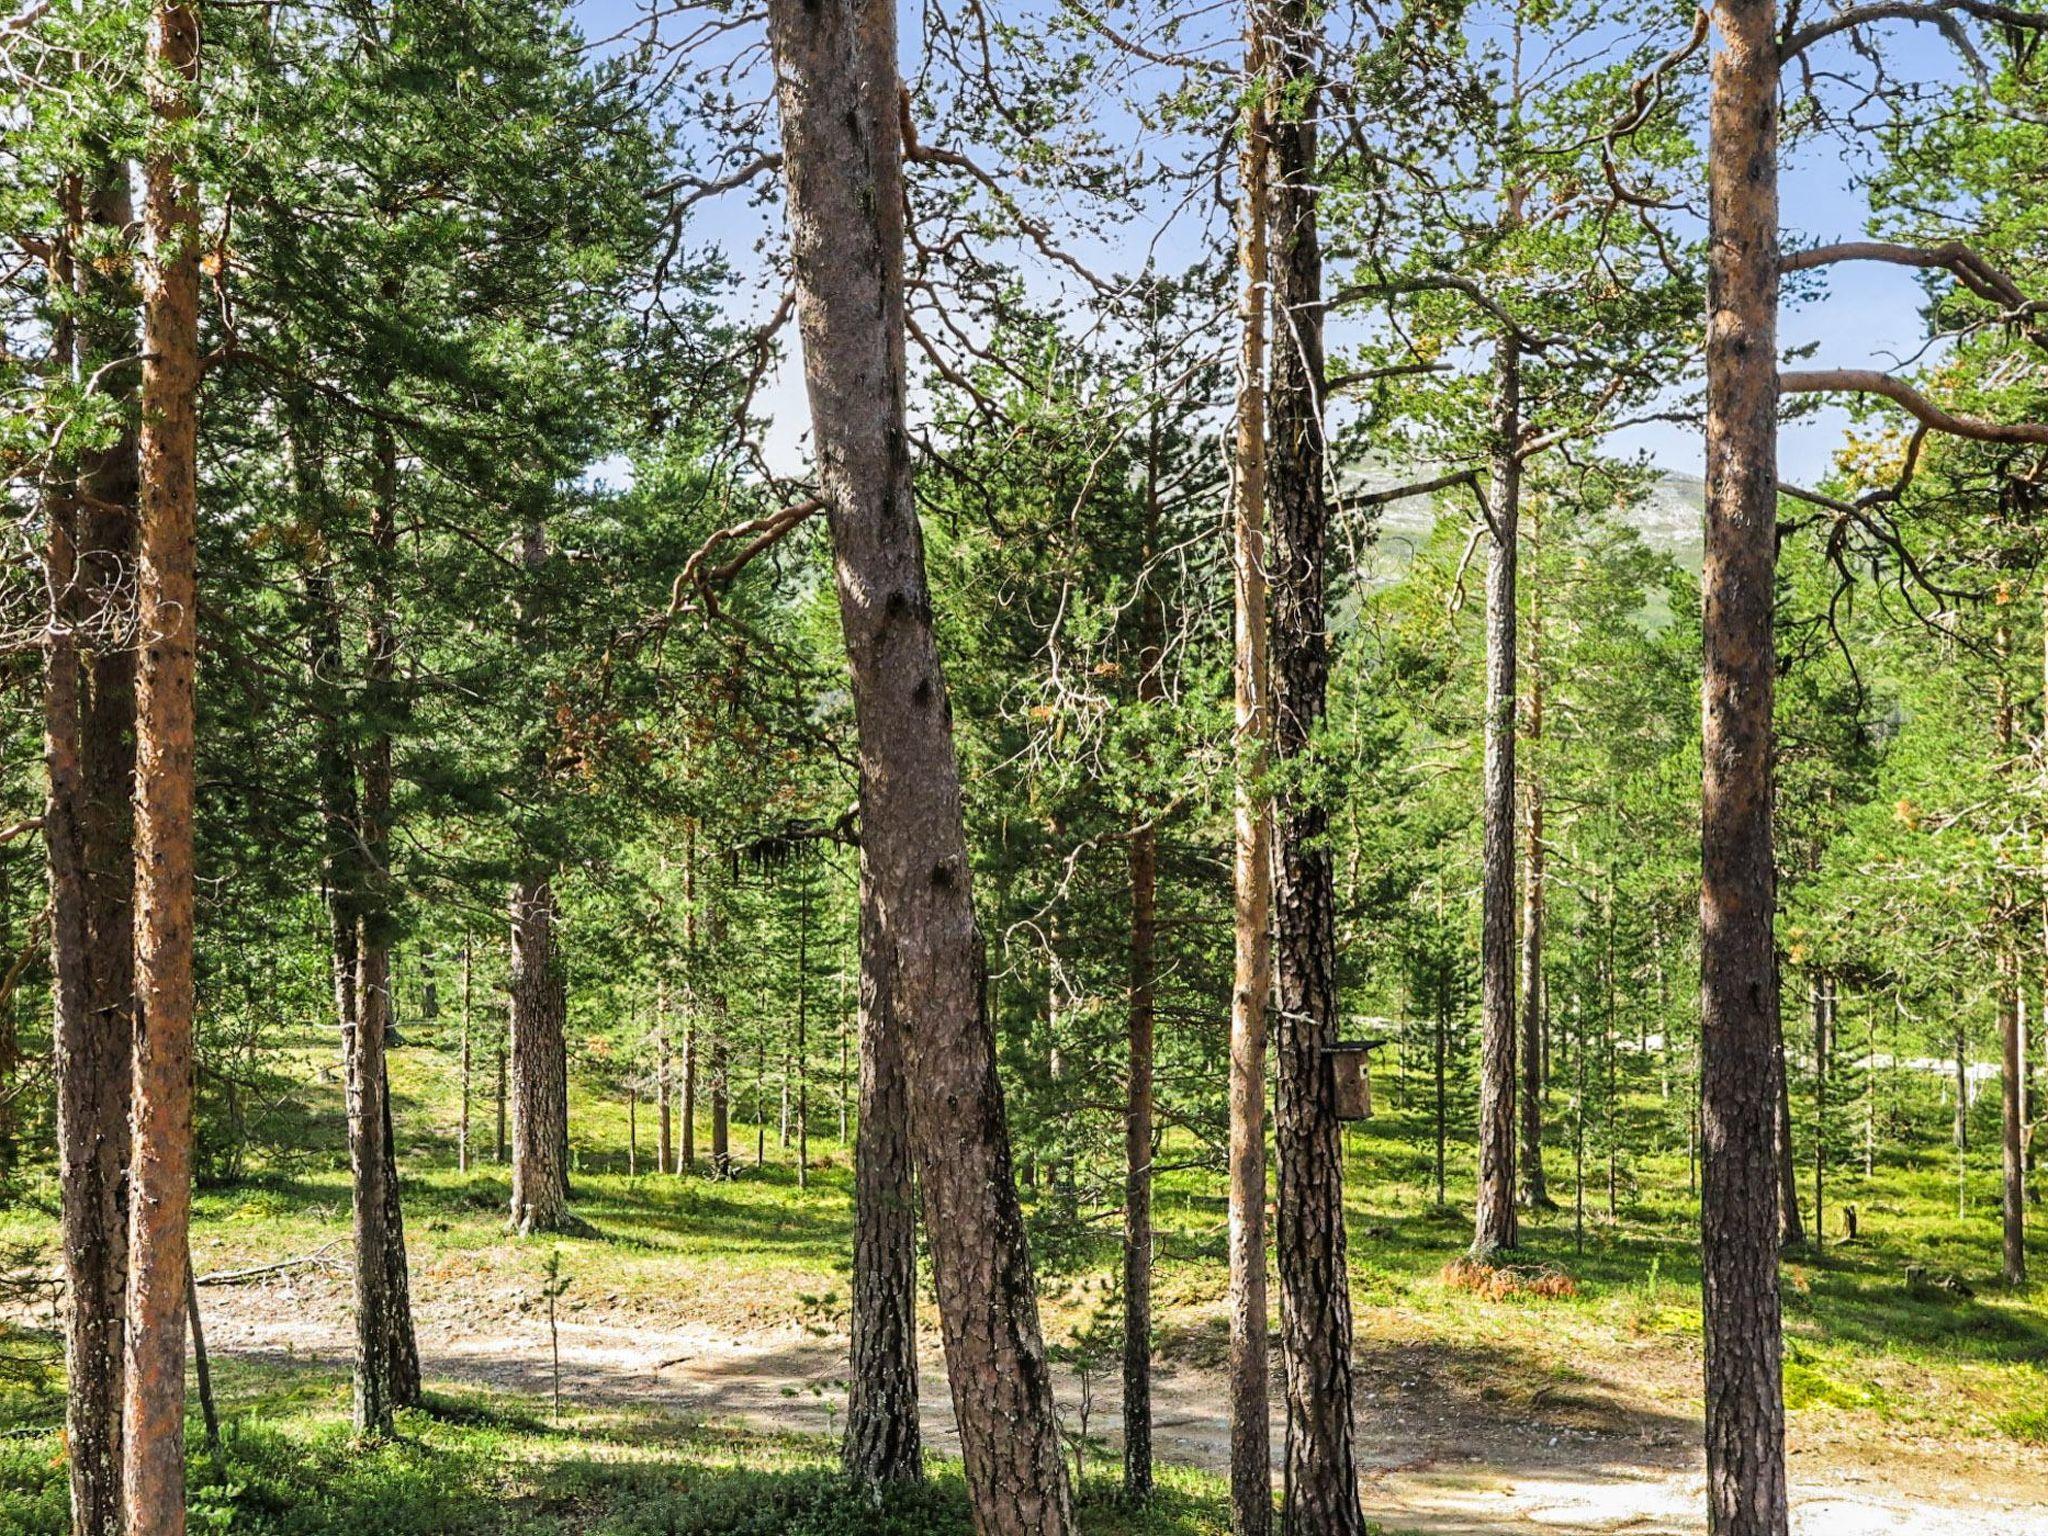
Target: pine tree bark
1741 1067
1535 1192
883 1443
540 1064
166 579
1494 1223
363 1051
840 107
89 720
401 1338
1251 1469
1321 1497
365 1081
540 1050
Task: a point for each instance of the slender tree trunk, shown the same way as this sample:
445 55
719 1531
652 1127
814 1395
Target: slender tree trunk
664 1147
1791 1226
1742 1067
803 1038
462 1127
2011 1022
160 1178
690 921
1534 1192
841 114
1823 1005
1440 1054
364 1074
688 1157
202 1369
882 1438
721 1053
1143 861
89 719
1251 1472
1494 1226
1961 1136
363 1045
2013 1118
498 1151
540 1064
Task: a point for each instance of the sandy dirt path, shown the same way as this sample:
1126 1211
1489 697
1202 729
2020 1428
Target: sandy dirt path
1437 1458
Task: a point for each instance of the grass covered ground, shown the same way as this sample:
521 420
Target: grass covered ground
1602 1342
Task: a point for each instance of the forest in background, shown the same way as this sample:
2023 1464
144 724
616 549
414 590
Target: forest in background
579 844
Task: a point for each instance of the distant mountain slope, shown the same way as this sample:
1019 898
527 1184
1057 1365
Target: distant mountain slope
1669 518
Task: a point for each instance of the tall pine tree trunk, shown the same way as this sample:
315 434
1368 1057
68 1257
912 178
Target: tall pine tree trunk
882 1437
166 583
1529 1160
540 1051
691 917
1251 1472
2011 1020
1315 1313
89 719
840 104
367 1085
1741 1065
1494 1227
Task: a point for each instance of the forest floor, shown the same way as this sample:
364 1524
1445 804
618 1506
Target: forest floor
702 1350
1450 1440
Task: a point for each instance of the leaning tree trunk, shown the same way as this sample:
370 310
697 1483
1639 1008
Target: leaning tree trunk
882 1437
1321 1496
837 88
1741 1069
1529 1160
89 713
166 585
1494 1226
540 1064
1251 1472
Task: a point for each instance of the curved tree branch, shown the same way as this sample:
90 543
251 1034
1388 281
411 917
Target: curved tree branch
1868 381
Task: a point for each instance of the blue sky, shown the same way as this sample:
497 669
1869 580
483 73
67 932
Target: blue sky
1867 316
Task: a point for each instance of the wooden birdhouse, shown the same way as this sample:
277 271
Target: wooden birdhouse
1351 1076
